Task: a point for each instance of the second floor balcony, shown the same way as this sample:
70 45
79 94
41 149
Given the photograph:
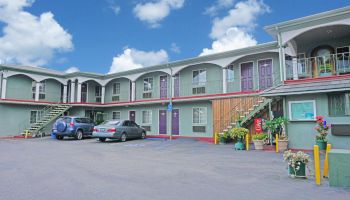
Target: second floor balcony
319 66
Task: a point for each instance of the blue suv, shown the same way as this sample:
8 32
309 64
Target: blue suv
76 127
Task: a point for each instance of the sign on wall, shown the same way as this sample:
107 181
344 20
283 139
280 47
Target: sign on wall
258 125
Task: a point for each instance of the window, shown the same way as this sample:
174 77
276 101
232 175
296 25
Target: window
35 116
98 91
339 104
146 117
199 77
343 60
230 74
116 89
116 115
42 89
199 116
302 110
147 84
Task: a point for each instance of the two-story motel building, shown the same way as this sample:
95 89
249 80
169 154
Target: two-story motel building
304 73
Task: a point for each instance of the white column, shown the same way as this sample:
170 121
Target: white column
3 88
72 91
172 86
133 91
0 83
224 80
103 91
295 68
64 100
37 91
281 56
79 93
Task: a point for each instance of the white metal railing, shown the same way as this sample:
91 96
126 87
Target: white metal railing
313 67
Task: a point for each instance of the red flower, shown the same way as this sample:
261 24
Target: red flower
319 118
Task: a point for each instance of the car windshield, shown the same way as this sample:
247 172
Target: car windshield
65 119
110 123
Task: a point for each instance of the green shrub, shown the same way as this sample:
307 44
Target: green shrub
238 133
260 136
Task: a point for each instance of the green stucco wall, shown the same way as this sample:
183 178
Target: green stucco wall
213 84
19 87
185 116
235 85
124 90
302 134
156 85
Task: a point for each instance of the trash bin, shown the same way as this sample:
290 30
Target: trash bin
339 170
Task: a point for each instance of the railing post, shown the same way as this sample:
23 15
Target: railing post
295 69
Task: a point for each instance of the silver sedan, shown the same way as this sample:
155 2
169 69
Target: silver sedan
120 130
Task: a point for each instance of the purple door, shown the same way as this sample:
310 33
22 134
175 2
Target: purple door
163 87
177 85
132 115
83 93
247 76
265 74
162 122
175 122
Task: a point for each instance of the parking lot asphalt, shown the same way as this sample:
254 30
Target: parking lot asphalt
48 169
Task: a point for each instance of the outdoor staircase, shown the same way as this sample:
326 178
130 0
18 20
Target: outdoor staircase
50 113
256 106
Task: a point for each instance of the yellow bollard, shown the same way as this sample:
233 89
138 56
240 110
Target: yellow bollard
215 138
276 143
325 168
247 142
317 165
26 134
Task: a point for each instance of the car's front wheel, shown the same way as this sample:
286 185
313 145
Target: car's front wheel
102 139
123 137
79 135
59 137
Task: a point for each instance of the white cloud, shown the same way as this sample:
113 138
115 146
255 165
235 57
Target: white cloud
155 11
234 38
114 6
234 30
220 4
134 59
72 70
29 39
175 48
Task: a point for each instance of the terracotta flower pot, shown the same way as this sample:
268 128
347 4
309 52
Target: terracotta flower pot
282 145
258 144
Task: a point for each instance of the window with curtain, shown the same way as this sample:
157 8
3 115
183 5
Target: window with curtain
339 104
199 77
146 117
116 89
147 84
199 116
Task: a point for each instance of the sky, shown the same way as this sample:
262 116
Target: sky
108 36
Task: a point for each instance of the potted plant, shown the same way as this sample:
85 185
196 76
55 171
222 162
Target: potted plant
322 129
325 69
278 126
223 137
297 162
259 140
238 134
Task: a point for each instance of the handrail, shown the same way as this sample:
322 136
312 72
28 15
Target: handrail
241 106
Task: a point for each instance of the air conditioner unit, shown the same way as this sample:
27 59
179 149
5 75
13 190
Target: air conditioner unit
115 98
198 90
147 95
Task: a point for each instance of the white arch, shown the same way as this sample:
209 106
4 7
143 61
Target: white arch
289 35
85 79
105 82
178 69
63 81
134 77
32 76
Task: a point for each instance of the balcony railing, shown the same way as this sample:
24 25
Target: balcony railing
314 67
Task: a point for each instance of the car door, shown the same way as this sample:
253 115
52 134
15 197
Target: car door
132 129
138 129
90 125
126 128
